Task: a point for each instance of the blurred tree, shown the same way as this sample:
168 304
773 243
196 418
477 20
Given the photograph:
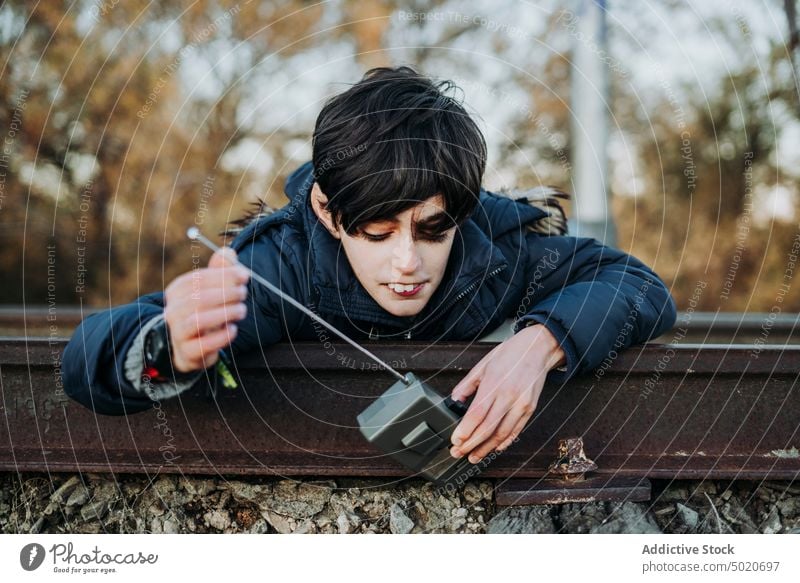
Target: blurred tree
125 122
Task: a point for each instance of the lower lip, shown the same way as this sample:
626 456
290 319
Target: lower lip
407 294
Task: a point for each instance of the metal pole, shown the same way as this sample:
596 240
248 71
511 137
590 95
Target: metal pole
589 131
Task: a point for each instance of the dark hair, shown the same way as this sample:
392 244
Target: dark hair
393 140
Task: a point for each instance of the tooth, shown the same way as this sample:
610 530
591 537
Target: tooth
408 288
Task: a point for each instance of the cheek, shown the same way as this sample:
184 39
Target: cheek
437 258
366 259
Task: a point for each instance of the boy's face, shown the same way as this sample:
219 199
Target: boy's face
399 262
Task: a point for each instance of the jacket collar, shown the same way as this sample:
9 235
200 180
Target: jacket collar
473 258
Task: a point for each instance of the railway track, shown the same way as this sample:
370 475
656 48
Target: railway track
657 411
702 328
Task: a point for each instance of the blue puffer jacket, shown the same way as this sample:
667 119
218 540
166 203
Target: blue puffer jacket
594 299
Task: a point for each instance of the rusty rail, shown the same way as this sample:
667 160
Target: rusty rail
700 327
657 411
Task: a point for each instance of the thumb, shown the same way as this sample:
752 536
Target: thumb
224 256
470 383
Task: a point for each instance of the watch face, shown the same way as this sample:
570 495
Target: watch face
155 343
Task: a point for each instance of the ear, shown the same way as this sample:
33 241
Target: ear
319 202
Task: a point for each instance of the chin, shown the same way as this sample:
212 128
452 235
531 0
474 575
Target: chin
406 309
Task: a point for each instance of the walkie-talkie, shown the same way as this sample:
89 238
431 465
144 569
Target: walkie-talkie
410 422
413 423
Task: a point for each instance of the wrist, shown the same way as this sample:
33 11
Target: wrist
546 343
158 365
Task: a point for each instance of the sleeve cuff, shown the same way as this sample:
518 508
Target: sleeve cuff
134 364
562 373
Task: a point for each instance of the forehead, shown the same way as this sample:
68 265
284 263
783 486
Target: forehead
427 209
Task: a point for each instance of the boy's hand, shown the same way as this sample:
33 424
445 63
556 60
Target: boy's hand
508 382
200 309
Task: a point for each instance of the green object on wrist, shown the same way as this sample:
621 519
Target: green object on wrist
228 380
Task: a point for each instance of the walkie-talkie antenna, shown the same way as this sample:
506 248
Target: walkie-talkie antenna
195 234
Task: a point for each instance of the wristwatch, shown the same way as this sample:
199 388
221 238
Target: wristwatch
157 362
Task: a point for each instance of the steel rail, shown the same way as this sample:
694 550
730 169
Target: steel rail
658 411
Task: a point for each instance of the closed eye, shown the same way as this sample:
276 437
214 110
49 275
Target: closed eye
371 237
432 237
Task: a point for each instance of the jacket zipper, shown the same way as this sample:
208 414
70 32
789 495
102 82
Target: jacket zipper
472 286
466 291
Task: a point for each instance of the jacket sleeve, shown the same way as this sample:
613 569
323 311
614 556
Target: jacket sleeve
102 362
93 364
594 299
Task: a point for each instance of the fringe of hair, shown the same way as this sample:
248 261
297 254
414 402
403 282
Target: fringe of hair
546 198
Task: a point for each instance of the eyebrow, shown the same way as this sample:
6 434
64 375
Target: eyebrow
432 220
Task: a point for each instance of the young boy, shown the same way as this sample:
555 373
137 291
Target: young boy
387 235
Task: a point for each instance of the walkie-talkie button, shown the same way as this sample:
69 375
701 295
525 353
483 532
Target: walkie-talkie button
422 439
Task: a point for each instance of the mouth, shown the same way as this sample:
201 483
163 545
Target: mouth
406 290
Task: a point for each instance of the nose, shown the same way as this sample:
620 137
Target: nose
406 259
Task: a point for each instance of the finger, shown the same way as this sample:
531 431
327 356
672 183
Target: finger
500 436
224 256
225 276
219 296
201 322
203 351
469 384
515 433
486 428
476 413
190 285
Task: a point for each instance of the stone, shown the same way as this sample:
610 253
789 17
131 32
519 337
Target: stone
784 488
299 499
307 527
580 518
734 513
217 519
197 487
125 503
278 522
156 508
78 497
399 523
789 507
772 524
164 486
627 518
157 526
459 519
674 494
685 518
345 527
246 517
36 528
699 490
522 520
259 527
94 510
65 490
259 494
472 493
